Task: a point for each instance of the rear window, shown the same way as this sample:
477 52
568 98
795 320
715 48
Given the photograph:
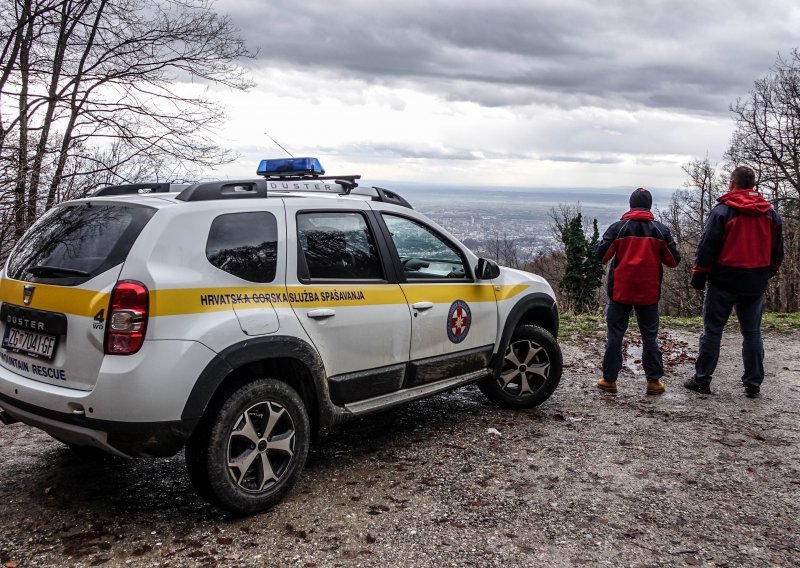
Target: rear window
74 243
245 245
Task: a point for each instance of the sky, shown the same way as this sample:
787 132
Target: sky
546 93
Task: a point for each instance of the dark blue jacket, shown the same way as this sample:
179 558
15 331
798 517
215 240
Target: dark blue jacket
741 246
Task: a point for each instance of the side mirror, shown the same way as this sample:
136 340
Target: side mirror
487 269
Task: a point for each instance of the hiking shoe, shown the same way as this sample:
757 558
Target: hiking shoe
752 391
608 386
693 385
655 387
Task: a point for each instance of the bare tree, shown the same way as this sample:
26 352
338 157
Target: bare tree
767 135
686 216
504 250
88 94
767 138
560 218
551 265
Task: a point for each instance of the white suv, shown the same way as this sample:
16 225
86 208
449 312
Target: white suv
236 318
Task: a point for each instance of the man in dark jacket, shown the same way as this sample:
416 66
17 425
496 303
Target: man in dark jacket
741 248
639 246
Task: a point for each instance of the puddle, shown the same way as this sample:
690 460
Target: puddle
634 353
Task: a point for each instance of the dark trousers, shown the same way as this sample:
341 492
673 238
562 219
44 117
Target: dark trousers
617 316
717 309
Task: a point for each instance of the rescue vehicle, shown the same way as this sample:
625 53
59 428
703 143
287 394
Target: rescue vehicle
236 318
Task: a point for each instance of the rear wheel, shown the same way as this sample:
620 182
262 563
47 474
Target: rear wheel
248 454
530 372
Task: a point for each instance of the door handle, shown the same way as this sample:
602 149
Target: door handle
321 314
422 305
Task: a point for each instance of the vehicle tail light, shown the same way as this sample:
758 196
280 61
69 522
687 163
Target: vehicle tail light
126 324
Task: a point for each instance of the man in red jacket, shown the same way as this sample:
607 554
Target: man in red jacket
639 246
741 248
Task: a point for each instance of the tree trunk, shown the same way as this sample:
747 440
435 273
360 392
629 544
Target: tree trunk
64 34
75 111
22 152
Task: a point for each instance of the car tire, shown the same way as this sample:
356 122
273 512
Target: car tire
530 370
249 452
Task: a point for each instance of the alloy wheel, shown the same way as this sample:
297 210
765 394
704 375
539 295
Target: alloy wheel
526 368
260 446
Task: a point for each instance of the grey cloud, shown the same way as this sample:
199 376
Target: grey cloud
377 150
402 151
683 55
578 159
408 152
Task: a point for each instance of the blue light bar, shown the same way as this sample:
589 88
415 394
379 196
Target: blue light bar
290 167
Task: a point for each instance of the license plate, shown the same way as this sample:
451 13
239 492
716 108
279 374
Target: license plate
32 343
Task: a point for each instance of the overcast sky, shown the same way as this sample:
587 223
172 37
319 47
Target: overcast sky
540 93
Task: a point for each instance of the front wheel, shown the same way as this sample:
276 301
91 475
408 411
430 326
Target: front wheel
248 454
530 371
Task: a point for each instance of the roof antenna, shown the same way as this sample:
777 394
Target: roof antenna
277 144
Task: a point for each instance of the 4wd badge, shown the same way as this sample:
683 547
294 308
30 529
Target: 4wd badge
458 321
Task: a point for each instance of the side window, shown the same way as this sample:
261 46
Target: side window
245 245
338 246
423 252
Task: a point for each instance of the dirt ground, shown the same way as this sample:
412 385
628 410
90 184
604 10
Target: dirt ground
585 479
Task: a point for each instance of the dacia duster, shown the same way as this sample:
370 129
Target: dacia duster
236 318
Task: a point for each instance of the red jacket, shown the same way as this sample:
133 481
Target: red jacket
639 246
741 246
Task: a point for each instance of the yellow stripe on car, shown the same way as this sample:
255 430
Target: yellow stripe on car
200 300
68 300
508 292
183 301
447 293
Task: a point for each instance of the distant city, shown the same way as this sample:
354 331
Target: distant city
478 215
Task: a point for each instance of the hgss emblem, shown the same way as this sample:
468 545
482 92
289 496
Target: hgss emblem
27 294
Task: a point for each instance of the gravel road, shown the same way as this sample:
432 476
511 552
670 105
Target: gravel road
585 479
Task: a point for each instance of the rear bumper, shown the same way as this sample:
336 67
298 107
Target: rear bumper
127 439
134 409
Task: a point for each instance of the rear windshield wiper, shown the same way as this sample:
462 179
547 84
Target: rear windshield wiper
55 271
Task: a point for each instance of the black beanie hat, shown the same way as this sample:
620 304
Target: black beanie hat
641 199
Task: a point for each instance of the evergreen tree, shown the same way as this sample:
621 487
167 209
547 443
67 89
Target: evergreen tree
584 273
592 269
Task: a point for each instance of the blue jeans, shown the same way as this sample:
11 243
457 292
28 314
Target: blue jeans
617 316
717 309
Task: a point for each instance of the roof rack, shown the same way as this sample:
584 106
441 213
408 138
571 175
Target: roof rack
225 189
347 183
260 188
310 183
254 188
389 196
132 189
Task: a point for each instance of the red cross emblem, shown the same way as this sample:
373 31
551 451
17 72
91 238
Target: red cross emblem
458 321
